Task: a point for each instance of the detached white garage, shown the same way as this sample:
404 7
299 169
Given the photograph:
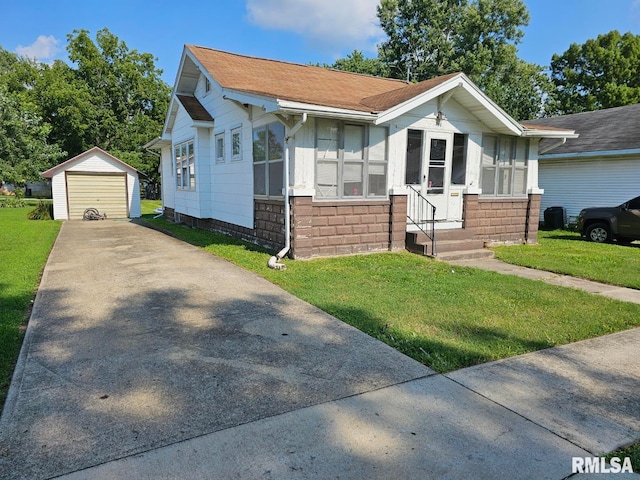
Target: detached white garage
94 179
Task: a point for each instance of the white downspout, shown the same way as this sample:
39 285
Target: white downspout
274 261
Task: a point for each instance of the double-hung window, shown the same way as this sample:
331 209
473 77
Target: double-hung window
219 145
184 160
236 144
351 160
268 160
504 165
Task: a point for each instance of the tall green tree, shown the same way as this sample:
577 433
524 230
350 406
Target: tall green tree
356 62
24 147
601 73
428 38
109 96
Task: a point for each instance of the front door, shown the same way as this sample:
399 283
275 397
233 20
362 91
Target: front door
428 168
437 171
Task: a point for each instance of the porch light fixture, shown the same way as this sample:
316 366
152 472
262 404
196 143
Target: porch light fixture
439 117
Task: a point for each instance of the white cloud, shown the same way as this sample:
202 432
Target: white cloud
44 48
327 24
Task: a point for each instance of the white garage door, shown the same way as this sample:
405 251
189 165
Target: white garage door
107 193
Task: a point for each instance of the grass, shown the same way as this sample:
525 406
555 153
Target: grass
24 248
445 317
632 451
148 206
565 252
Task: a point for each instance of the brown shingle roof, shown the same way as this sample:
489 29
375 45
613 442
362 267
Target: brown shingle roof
307 84
194 108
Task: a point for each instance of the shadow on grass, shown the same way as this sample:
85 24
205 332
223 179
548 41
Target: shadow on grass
487 344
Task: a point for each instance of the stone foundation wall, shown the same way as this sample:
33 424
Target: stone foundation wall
503 220
269 223
322 229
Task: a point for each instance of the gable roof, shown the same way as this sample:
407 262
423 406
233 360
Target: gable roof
292 88
291 81
609 130
93 151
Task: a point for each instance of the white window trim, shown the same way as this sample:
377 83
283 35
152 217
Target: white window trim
219 136
366 163
236 157
513 168
182 187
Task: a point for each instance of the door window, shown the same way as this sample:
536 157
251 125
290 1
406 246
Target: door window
437 157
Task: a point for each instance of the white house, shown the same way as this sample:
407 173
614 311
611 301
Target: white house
94 179
599 168
323 162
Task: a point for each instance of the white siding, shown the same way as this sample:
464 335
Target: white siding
577 184
59 194
224 191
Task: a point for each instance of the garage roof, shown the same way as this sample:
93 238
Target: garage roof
64 165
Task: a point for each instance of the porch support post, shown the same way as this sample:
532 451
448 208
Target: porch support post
397 222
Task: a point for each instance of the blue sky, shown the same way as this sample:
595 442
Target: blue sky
292 30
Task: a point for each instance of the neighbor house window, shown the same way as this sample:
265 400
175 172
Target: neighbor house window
184 160
504 165
268 159
236 143
351 160
219 143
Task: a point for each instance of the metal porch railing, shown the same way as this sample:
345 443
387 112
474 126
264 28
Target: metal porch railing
422 214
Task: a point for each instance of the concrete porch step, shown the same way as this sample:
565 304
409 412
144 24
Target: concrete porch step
464 255
450 244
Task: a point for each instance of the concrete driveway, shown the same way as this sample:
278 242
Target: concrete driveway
149 358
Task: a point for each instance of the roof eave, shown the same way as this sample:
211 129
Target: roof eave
540 133
594 154
287 106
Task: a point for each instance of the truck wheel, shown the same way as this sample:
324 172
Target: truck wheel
599 233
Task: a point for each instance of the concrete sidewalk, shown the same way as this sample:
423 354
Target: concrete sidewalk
611 291
149 358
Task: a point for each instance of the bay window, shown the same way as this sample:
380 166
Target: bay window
351 160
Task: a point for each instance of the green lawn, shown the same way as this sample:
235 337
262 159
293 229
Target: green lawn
24 248
445 317
565 252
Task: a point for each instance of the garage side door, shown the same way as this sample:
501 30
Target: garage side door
107 193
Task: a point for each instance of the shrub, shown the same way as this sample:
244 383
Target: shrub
13 202
44 211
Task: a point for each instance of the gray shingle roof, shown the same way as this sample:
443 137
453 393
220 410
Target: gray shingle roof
602 130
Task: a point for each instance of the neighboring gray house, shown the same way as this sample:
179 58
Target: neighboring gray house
599 168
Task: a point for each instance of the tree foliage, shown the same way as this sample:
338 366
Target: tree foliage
428 38
356 62
107 96
601 73
24 150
